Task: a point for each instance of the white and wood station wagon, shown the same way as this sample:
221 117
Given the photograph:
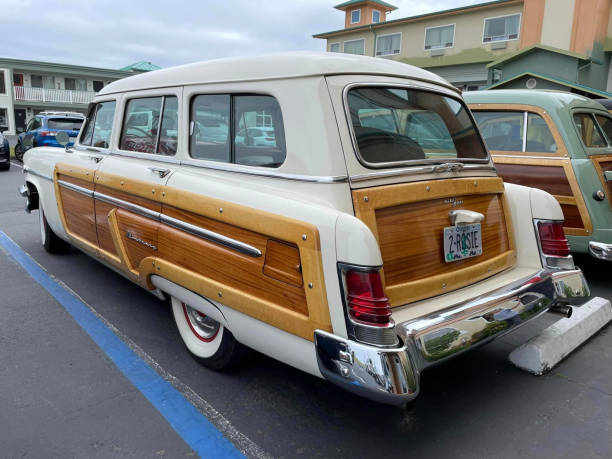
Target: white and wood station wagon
338 213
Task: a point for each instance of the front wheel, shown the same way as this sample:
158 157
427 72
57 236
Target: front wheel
208 341
50 241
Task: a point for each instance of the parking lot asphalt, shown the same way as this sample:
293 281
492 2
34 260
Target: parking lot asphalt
63 396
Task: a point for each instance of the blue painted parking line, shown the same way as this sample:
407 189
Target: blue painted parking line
193 427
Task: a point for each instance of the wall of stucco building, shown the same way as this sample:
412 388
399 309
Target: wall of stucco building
469 28
557 23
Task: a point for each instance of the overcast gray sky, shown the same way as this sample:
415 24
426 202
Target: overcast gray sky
115 33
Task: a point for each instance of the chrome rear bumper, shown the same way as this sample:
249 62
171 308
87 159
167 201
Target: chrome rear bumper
392 375
601 250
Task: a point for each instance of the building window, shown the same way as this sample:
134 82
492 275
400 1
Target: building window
355 16
98 85
354 47
334 48
440 37
75 84
3 120
387 45
42 81
502 28
2 83
375 17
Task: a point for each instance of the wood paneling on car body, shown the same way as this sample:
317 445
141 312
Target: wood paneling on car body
270 288
76 210
408 221
105 239
296 309
555 176
603 163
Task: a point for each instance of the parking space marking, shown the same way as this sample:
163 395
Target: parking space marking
196 429
14 163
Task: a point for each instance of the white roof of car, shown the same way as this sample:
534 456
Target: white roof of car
274 66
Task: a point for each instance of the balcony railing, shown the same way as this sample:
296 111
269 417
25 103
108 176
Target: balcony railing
62 96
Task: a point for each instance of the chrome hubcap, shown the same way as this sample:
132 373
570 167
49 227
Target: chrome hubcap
201 325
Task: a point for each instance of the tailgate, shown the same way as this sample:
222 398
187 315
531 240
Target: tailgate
408 221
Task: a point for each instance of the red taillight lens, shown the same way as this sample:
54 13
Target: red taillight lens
366 299
47 134
552 239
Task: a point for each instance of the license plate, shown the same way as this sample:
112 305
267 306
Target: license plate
462 241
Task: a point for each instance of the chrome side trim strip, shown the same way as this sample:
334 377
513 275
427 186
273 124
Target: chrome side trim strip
149 156
416 171
251 171
135 208
28 170
170 221
78 189
211 236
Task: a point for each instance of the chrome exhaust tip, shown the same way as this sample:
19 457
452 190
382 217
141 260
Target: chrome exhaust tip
562 310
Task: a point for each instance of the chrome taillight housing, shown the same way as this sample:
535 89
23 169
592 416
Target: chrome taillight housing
553 245
367 309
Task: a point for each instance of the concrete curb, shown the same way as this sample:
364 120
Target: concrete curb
541 353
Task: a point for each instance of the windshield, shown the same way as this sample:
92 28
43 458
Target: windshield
396 125
69 124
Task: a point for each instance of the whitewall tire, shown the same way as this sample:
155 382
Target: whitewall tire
50 241
208 341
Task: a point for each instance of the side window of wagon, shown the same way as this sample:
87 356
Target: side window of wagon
150 125
241 129
506 131
502 131
99 124
539 137
210 126
605 123
589 132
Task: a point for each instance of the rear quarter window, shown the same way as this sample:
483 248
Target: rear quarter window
65 124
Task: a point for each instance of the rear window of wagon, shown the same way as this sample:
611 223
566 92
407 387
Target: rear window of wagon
399 126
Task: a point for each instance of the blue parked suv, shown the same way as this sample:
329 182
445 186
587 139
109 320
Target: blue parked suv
42 129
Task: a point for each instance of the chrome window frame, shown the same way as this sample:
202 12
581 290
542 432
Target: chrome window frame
415 162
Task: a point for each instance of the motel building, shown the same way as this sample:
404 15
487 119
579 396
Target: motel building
30 87
544 44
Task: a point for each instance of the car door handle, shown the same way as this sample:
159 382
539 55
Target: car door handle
158 170
97 159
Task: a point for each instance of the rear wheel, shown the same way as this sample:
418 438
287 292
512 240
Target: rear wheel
50 241
208 341
19 151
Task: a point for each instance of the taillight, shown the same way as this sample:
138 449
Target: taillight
47 134
552 239
366 298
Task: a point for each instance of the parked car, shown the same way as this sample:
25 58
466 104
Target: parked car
42 129
256 136
281 248
5 153
560 143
